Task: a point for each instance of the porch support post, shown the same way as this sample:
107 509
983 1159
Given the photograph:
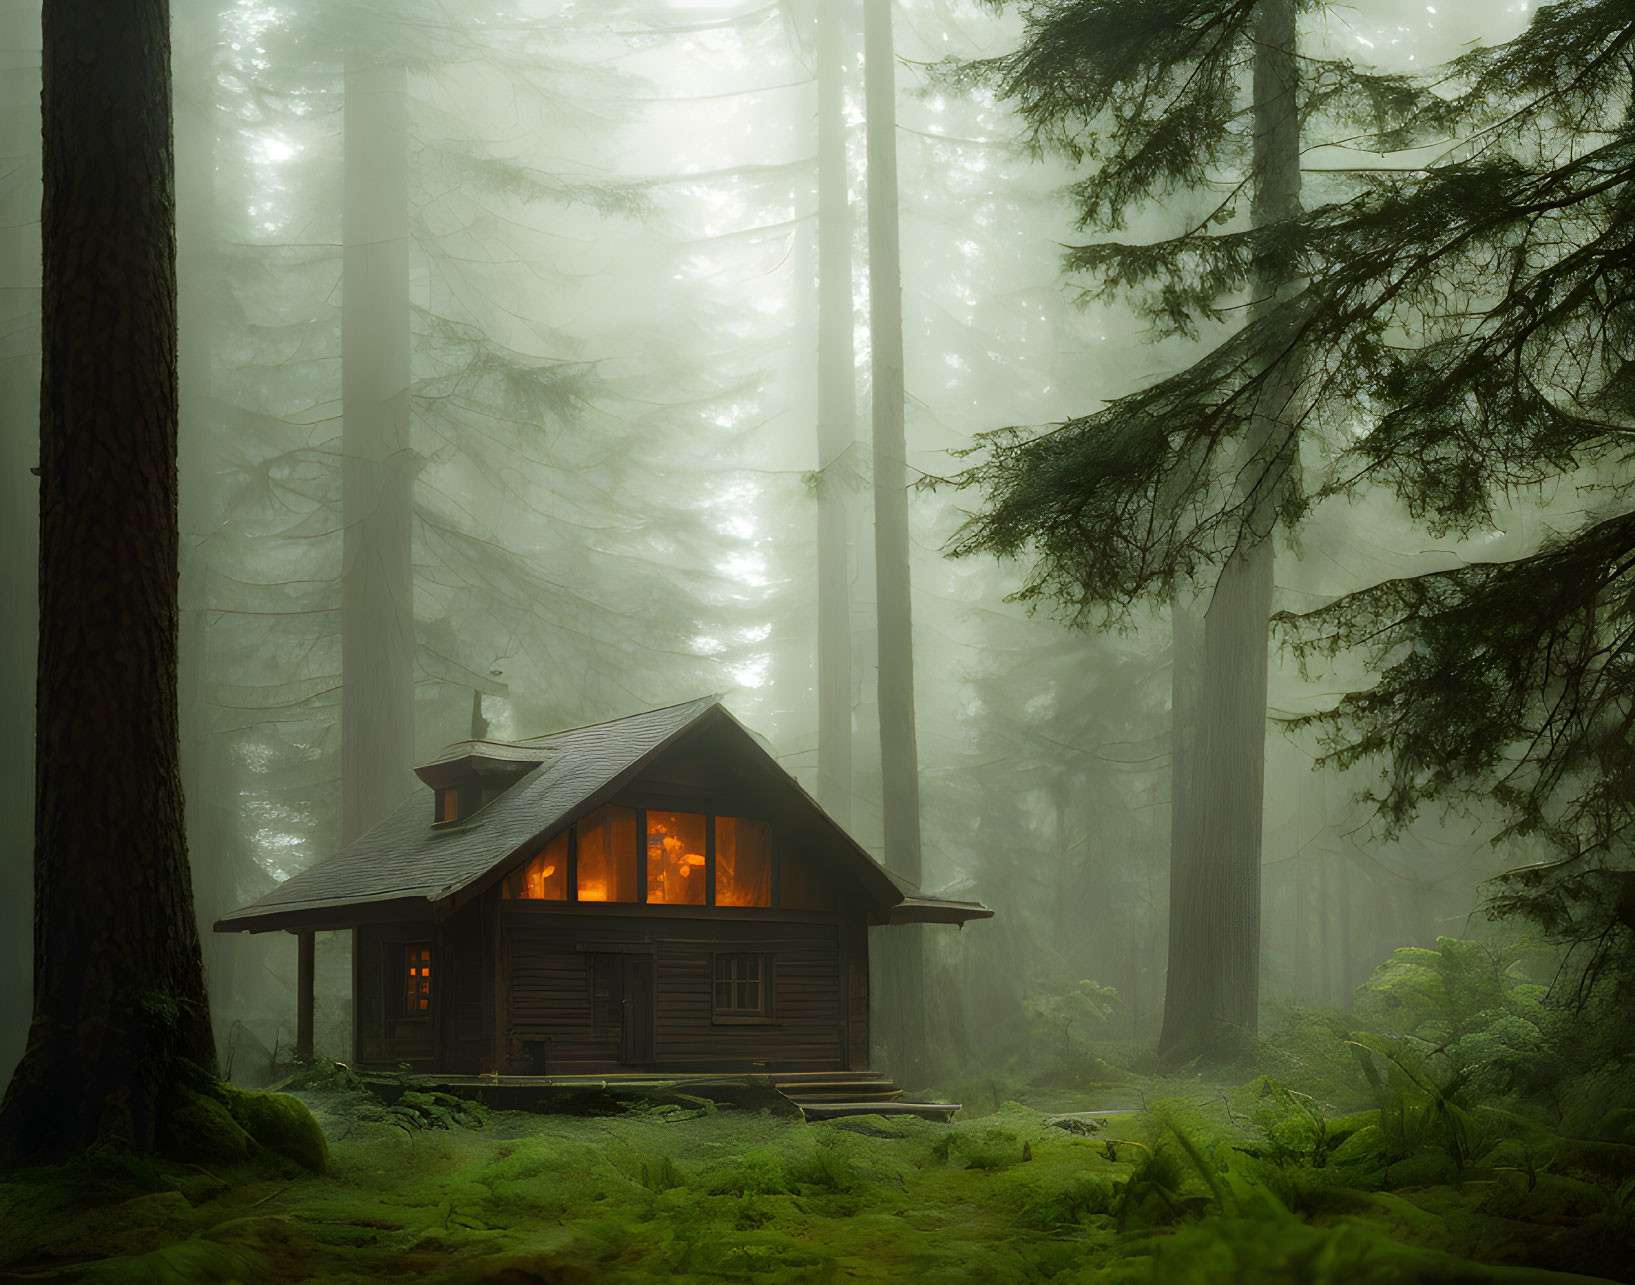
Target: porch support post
303 994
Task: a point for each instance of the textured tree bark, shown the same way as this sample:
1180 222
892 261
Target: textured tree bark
902 953
19 501
377 585
1214 967
119 997
1186 662
837 421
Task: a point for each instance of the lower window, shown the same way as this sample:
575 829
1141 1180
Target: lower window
743 986
417 975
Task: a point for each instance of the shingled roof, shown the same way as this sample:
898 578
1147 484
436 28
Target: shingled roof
563 775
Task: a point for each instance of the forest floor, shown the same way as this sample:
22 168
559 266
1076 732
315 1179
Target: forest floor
1204 1183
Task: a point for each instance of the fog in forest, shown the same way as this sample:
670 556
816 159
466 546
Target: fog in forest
938 639
571 256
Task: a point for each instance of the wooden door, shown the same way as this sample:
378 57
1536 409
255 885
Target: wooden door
636 1004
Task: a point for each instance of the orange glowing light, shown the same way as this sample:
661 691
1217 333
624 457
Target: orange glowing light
607 855
675 847
544 878
417 962
743 862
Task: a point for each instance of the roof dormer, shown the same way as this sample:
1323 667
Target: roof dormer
472 775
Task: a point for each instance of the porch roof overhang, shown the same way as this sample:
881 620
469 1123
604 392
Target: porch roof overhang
936 910
329 915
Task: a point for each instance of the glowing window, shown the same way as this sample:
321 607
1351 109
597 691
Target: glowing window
741 988
675 859
448 805
607 856
545 878
417 968
743 862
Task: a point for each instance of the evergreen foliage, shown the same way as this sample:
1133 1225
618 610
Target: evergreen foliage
1125 504
1460 338
1509 681
537 420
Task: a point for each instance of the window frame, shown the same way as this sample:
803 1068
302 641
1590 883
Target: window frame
773 859
570 871
406 963
766 1016
440 807
644 856
710 810
638 873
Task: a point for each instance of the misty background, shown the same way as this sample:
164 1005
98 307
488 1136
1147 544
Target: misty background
608 468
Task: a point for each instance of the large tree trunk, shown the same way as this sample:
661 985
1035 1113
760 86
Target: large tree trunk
1214 967
1186 661
119 997
902 953
19 499
837 422
377 586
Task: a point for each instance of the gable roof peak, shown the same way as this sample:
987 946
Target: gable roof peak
700 703
511 760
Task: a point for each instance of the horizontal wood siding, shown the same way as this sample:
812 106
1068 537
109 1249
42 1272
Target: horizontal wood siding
565 977
369 1019
463 1035
856 936
553 995
384 1037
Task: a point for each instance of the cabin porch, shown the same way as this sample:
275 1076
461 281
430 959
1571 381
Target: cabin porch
815 1095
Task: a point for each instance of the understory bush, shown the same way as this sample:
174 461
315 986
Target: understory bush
1409 1140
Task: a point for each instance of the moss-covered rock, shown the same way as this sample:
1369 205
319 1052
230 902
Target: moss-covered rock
281 1124
199 1128
433 1110
206 1118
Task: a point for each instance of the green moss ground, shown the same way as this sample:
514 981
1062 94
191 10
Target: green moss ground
1204 1188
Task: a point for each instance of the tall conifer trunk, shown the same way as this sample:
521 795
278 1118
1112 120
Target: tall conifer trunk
902 955
377 586
19 500
1214 966
837 421
119 996
1186 659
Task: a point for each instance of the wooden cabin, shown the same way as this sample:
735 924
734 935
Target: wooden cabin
651 894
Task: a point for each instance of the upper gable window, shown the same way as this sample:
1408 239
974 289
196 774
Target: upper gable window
743 862
652 856
545 878
607 856
676 860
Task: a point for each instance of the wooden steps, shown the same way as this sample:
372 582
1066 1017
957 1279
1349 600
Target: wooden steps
940 1112
833 1095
